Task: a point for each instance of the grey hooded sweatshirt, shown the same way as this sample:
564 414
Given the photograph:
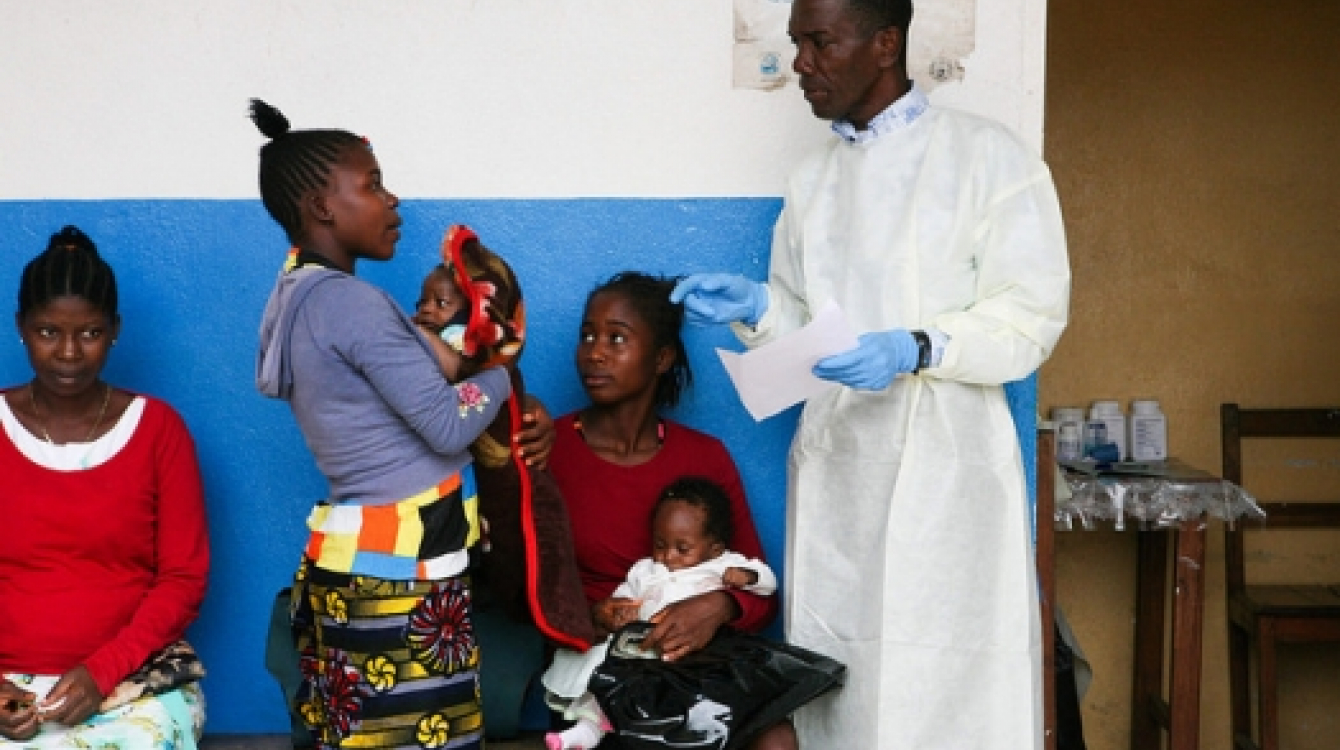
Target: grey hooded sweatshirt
374 408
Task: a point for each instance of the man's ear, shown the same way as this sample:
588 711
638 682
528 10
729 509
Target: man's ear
890 42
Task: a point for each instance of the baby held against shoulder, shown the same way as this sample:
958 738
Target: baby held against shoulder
442 312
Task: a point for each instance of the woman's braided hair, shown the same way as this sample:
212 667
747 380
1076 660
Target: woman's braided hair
294 163
69 267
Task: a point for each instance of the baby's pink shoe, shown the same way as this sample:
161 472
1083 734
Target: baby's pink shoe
552 741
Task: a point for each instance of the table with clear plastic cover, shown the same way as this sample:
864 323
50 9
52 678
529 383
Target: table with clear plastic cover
1167 501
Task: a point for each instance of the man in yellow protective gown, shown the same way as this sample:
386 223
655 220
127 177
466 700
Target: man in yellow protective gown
908 534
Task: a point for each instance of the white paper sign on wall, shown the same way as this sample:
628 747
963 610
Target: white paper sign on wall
762 52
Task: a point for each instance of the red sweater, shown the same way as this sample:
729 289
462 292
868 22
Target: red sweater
104 566
610 507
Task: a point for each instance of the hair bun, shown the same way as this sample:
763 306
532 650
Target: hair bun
271 122
71 237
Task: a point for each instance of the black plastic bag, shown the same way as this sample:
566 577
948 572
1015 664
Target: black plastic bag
719 698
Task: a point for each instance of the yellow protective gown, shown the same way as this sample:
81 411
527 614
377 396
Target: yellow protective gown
908 531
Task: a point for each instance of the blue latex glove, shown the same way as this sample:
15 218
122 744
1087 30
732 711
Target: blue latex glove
877 359
720 298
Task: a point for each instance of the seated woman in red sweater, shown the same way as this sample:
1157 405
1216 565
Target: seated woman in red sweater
105 552
613 458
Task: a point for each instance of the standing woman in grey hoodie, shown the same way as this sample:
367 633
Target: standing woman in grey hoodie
381 601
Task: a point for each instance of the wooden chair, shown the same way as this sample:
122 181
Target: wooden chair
1263 616
1045 552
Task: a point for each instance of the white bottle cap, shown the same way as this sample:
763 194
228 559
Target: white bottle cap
1067 414
1105 409
1145 407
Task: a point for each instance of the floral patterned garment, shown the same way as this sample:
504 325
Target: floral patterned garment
387 664
171 721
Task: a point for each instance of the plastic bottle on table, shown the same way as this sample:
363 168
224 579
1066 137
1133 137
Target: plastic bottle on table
1095 435
1069 445
1149 431
1069 432
1109 413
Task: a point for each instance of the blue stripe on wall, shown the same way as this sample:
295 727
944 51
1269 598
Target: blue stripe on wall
194 276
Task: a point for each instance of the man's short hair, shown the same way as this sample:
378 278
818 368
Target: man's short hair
880 14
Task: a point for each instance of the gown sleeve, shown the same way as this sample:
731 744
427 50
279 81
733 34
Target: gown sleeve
787 309
1023 288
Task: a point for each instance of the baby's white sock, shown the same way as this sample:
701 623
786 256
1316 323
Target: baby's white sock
583 735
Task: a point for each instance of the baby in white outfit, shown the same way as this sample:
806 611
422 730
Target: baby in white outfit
690 527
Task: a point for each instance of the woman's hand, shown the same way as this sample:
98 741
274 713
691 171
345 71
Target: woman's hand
74 698
18 715
535 439
611 614
686 626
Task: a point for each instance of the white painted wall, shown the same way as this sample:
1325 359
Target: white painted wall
462 98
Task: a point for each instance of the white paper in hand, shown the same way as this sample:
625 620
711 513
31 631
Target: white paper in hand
778 374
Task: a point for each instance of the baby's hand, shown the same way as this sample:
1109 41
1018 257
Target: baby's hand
454 365
426 322
612 614
738 578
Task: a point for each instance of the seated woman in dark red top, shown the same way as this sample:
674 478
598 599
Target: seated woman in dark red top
612 459
105 557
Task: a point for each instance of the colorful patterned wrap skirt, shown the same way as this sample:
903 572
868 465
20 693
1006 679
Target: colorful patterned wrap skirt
385 663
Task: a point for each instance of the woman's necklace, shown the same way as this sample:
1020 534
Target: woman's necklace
660 432
102 412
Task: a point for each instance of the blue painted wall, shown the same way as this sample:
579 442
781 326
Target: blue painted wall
194 276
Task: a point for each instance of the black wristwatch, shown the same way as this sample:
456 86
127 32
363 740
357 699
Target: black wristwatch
923 350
